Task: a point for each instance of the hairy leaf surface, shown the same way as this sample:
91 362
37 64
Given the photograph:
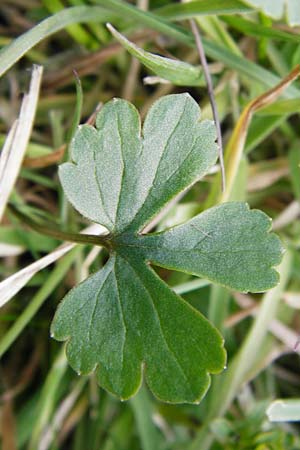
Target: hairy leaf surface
121 178
228 244
124 320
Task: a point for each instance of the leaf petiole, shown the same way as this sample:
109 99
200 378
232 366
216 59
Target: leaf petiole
102 241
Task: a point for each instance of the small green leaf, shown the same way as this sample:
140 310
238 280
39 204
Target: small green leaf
277 9
124 320
178 72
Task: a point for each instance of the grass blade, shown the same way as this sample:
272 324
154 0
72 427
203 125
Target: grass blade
284 411
10 54
178 72
13 284
42 294
142 410
18 140
258 30
13 52
182 11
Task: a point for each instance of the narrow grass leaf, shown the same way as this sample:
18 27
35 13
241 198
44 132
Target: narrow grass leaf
217 52
257 30
281 107
116 8
294 165
48 398
18 140
284 410
24 318
78 32
183 11
178 72
18 47
143 412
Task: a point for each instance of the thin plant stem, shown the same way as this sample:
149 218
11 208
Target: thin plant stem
210 89
58 234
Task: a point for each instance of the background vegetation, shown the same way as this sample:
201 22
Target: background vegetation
44 404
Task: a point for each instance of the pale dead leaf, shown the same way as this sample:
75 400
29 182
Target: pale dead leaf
17 140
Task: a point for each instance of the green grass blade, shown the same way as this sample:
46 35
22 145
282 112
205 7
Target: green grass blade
260 128
281 107
190 286
123 9
10 54
48 398
143 411
294 164
258 30
246 357
231 381
43 293
78 33
216 31
247 68
78 109
13 52
182 11
178 72
214 51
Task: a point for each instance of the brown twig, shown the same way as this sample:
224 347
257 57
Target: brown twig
208 79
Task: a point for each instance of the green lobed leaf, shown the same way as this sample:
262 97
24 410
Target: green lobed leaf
120 178
277 9
178 72
228 244
124 320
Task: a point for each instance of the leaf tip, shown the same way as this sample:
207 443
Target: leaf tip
110 27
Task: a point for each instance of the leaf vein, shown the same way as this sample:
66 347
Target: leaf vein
158 163
123 167
122 319
96 305
99 187
175 358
